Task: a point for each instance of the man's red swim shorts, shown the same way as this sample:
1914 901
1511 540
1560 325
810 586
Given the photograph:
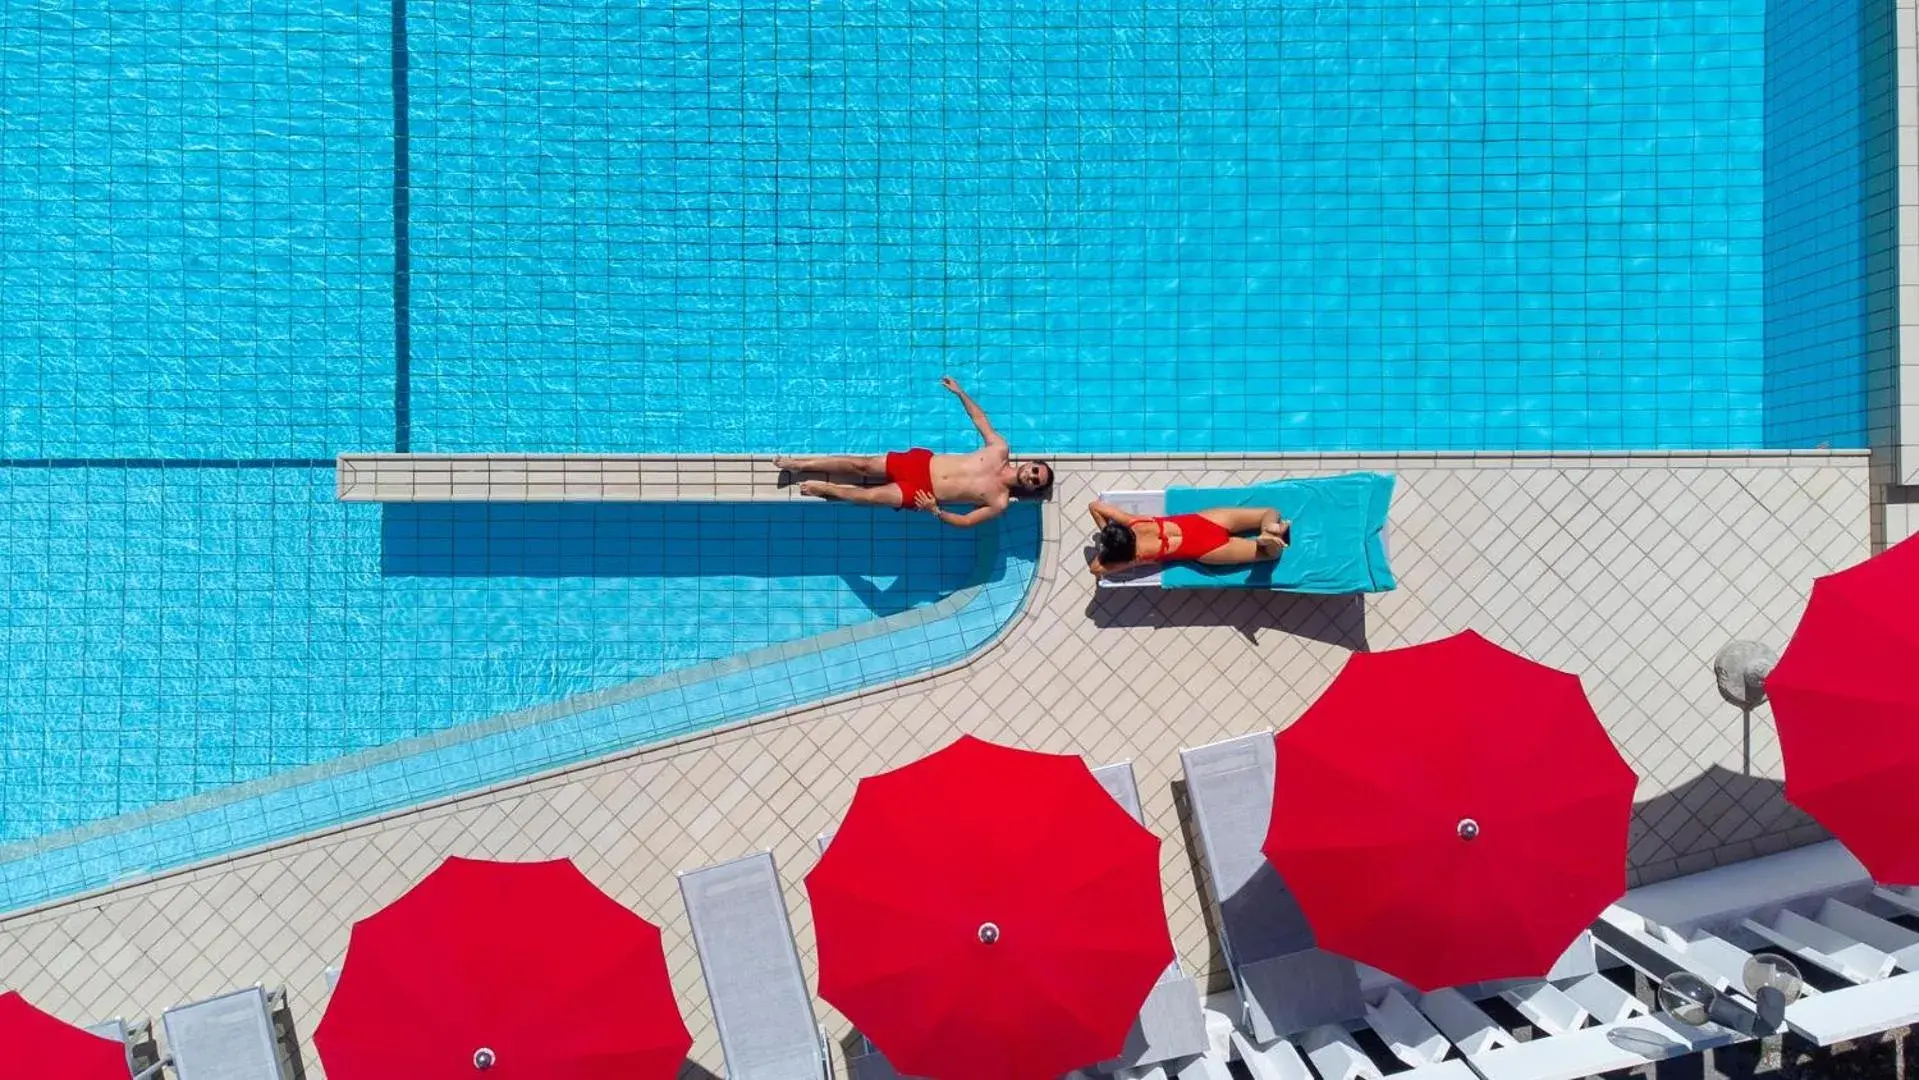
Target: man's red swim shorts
912 470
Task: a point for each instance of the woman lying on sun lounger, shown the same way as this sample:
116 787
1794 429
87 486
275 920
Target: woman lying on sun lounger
1210 536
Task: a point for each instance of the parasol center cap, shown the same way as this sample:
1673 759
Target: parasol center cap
988 933
1468 829
483 1059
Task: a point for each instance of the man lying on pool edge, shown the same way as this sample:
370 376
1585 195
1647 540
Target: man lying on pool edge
919 479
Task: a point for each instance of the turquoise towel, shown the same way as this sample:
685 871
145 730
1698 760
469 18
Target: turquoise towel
1337 545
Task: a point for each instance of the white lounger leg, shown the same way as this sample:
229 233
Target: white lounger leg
1851 960
1465 1023
1547 1008
1888 937
1410 1036
1606 1001
1335 1056
1204 1067
1903 897
1277 1060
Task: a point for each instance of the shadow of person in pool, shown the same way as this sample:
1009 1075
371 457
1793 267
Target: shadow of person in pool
888 562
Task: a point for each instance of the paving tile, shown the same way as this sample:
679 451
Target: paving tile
1631 570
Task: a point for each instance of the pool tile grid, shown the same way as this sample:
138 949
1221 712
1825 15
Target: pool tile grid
597 211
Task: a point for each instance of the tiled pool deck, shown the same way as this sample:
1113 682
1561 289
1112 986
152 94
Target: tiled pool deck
1632 570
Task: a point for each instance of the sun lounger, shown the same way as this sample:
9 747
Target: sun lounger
1815 904
1749 888
1865 1004
1275 1060
1872 1005
133 1037
1336 1054
1854 1012
1902 898
1206 1067
230 1037
1495 1053
870 1064
1412 1039
1172 1023
1285 983
115 1029
1118 781
753 976
1823 946
1338 544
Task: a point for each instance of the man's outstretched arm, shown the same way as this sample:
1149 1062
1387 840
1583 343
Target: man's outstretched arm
967 520
973 411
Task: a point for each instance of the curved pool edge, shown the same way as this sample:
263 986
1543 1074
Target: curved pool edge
646 716
1136 468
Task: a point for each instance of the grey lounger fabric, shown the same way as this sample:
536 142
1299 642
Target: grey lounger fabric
115 1029
1286 983
1118 781
1172 1023
872 1065
1171 1026
230 1037
753 975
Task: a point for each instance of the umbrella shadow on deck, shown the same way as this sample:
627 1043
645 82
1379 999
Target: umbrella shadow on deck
1718 816
888 562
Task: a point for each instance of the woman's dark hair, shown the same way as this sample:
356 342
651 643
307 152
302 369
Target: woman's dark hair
1042 491
1117 544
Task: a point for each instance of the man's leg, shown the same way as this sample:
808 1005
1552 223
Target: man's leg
887 495
869 468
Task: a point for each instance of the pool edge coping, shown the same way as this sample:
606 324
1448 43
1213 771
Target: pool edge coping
901 622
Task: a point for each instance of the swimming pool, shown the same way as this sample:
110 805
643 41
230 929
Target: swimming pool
754 226
240 236
169 631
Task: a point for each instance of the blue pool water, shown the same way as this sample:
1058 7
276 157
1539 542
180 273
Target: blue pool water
733 226
240 236
1202 225
196 231
168 631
